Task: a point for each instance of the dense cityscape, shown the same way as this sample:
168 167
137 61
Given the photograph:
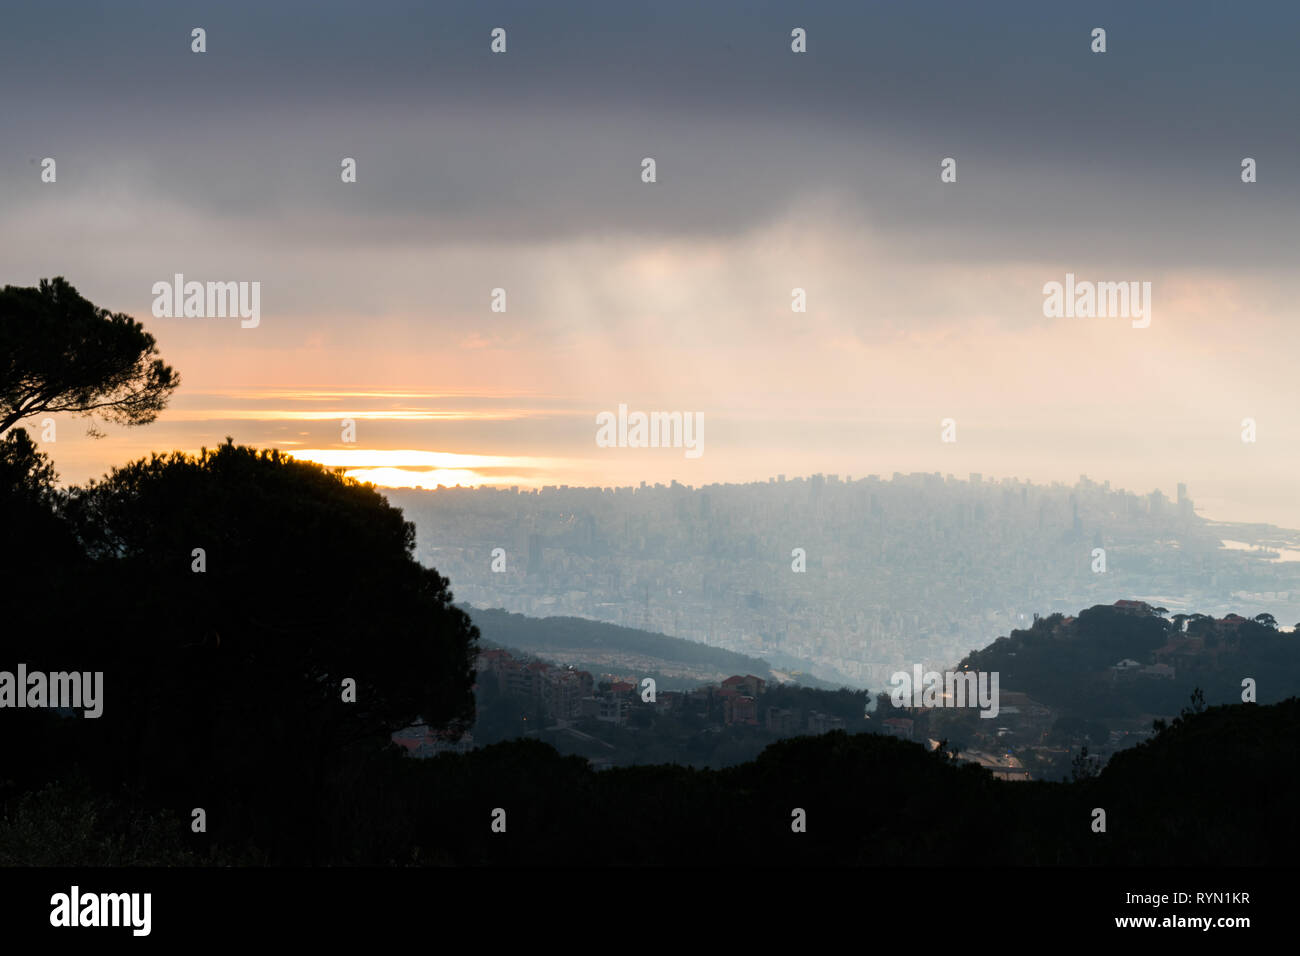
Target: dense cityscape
920 568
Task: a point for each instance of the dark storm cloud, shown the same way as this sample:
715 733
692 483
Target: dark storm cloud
1132 154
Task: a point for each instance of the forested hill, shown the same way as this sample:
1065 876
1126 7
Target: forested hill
611 648
1177 800
1129 658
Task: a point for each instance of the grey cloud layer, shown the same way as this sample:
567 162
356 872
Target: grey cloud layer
1132 154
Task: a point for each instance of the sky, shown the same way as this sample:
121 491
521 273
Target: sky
775 170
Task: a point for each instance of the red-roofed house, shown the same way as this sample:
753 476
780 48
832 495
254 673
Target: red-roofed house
749 684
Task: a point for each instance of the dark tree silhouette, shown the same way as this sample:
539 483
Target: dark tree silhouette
227 683
37 551
25 471
60 353
1083 766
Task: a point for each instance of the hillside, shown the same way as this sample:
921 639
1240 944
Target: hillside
612 649
1095 681
1127 659
871 799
